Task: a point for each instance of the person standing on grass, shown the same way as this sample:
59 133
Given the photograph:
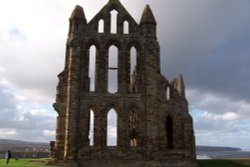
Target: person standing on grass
8 157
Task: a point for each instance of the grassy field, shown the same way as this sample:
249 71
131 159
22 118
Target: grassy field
203 163
225 163
23 162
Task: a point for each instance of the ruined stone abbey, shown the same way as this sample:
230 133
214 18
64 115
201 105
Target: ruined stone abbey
115 108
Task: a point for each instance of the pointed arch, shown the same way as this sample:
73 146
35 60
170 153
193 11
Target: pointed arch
91 127
112 124
125 27
133 59
113 69
169 132
92 67
168 92
113 21
114 41
133 64
101 26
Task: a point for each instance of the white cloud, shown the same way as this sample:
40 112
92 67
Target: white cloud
50 133
23 119
41 112
218 119
7 132
230 116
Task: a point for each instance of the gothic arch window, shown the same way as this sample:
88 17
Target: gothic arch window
169 132
113 22
133 124
112 128
91 127
125 27
101 26
113 69
168 92
92 68
133 64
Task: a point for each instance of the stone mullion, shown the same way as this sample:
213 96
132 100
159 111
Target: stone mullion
126 129
99 130
102 71
126 71
122 72
104 124
107 23
121 129
119 24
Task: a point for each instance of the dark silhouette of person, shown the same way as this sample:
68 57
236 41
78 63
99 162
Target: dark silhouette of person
8 157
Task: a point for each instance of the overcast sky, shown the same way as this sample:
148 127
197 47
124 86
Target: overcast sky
207 41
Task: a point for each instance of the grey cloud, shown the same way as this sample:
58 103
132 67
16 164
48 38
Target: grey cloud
216 104
6 99
209 44
218 118
17 115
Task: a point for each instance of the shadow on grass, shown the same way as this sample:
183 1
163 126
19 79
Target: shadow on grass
220 163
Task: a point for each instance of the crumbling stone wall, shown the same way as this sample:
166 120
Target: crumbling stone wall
154 127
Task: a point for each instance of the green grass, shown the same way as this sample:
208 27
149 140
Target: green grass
225 163
25 162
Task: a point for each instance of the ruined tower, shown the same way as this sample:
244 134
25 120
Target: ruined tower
112 67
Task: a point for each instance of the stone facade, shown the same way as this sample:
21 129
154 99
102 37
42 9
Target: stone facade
154 127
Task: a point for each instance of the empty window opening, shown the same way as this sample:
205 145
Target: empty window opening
91 127
112 128
125 27
113 26
133 64
113 70
101 26
133 60
92 68
168 92
112 81
169 130
133 124
133 142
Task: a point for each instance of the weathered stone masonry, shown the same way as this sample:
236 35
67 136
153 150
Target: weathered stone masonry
154 127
